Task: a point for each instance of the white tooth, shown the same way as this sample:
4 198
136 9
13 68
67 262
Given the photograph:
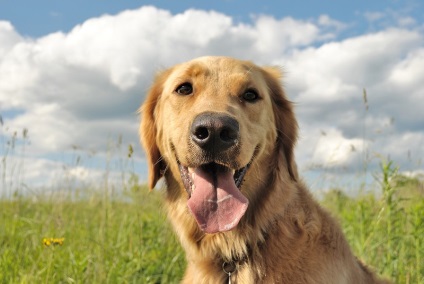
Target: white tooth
193 187
233 171
190 170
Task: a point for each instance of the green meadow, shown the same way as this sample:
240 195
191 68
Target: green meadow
101 238
104 241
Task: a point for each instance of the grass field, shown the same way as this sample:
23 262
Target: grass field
105 241
127 239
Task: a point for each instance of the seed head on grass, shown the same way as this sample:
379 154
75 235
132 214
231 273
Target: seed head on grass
130 151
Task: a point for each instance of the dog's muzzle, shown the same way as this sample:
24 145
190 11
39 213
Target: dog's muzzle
213 179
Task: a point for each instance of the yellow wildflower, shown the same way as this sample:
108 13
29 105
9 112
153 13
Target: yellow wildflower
53 241
47 242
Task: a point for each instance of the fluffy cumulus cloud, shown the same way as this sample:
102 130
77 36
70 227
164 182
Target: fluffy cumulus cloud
84 87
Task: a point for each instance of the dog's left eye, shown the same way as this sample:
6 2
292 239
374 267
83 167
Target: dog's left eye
184 89
250 95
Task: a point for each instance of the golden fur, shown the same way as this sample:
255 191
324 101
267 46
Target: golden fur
285 236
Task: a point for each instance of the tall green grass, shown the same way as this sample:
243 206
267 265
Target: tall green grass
105 241
387 232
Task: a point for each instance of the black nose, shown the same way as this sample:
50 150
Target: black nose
215 132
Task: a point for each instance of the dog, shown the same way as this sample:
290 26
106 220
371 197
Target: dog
221 132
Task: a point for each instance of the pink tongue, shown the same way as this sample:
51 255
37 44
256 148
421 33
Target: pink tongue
216 209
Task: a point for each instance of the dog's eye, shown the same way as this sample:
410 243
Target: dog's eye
250 95
184 89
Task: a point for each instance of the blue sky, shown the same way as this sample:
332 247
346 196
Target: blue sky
75 72
37 18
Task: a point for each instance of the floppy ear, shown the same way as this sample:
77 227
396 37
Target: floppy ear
285 119
148 129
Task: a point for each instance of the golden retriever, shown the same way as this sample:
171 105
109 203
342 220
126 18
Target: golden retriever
221 132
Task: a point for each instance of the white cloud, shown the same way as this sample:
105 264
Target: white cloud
406 21
326 21
84 87
8 37
333 149
409 72
17 170
402 146
71 85
277 35
374 16
76 169
345 67
392 17
329 148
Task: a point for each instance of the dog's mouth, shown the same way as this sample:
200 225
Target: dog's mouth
215 199
215 170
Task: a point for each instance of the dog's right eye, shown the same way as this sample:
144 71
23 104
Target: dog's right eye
184 89
250 96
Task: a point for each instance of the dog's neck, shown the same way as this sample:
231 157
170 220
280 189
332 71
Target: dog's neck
231 266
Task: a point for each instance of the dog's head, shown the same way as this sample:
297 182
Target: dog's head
212 123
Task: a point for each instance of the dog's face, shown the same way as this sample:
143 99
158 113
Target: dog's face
207 122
